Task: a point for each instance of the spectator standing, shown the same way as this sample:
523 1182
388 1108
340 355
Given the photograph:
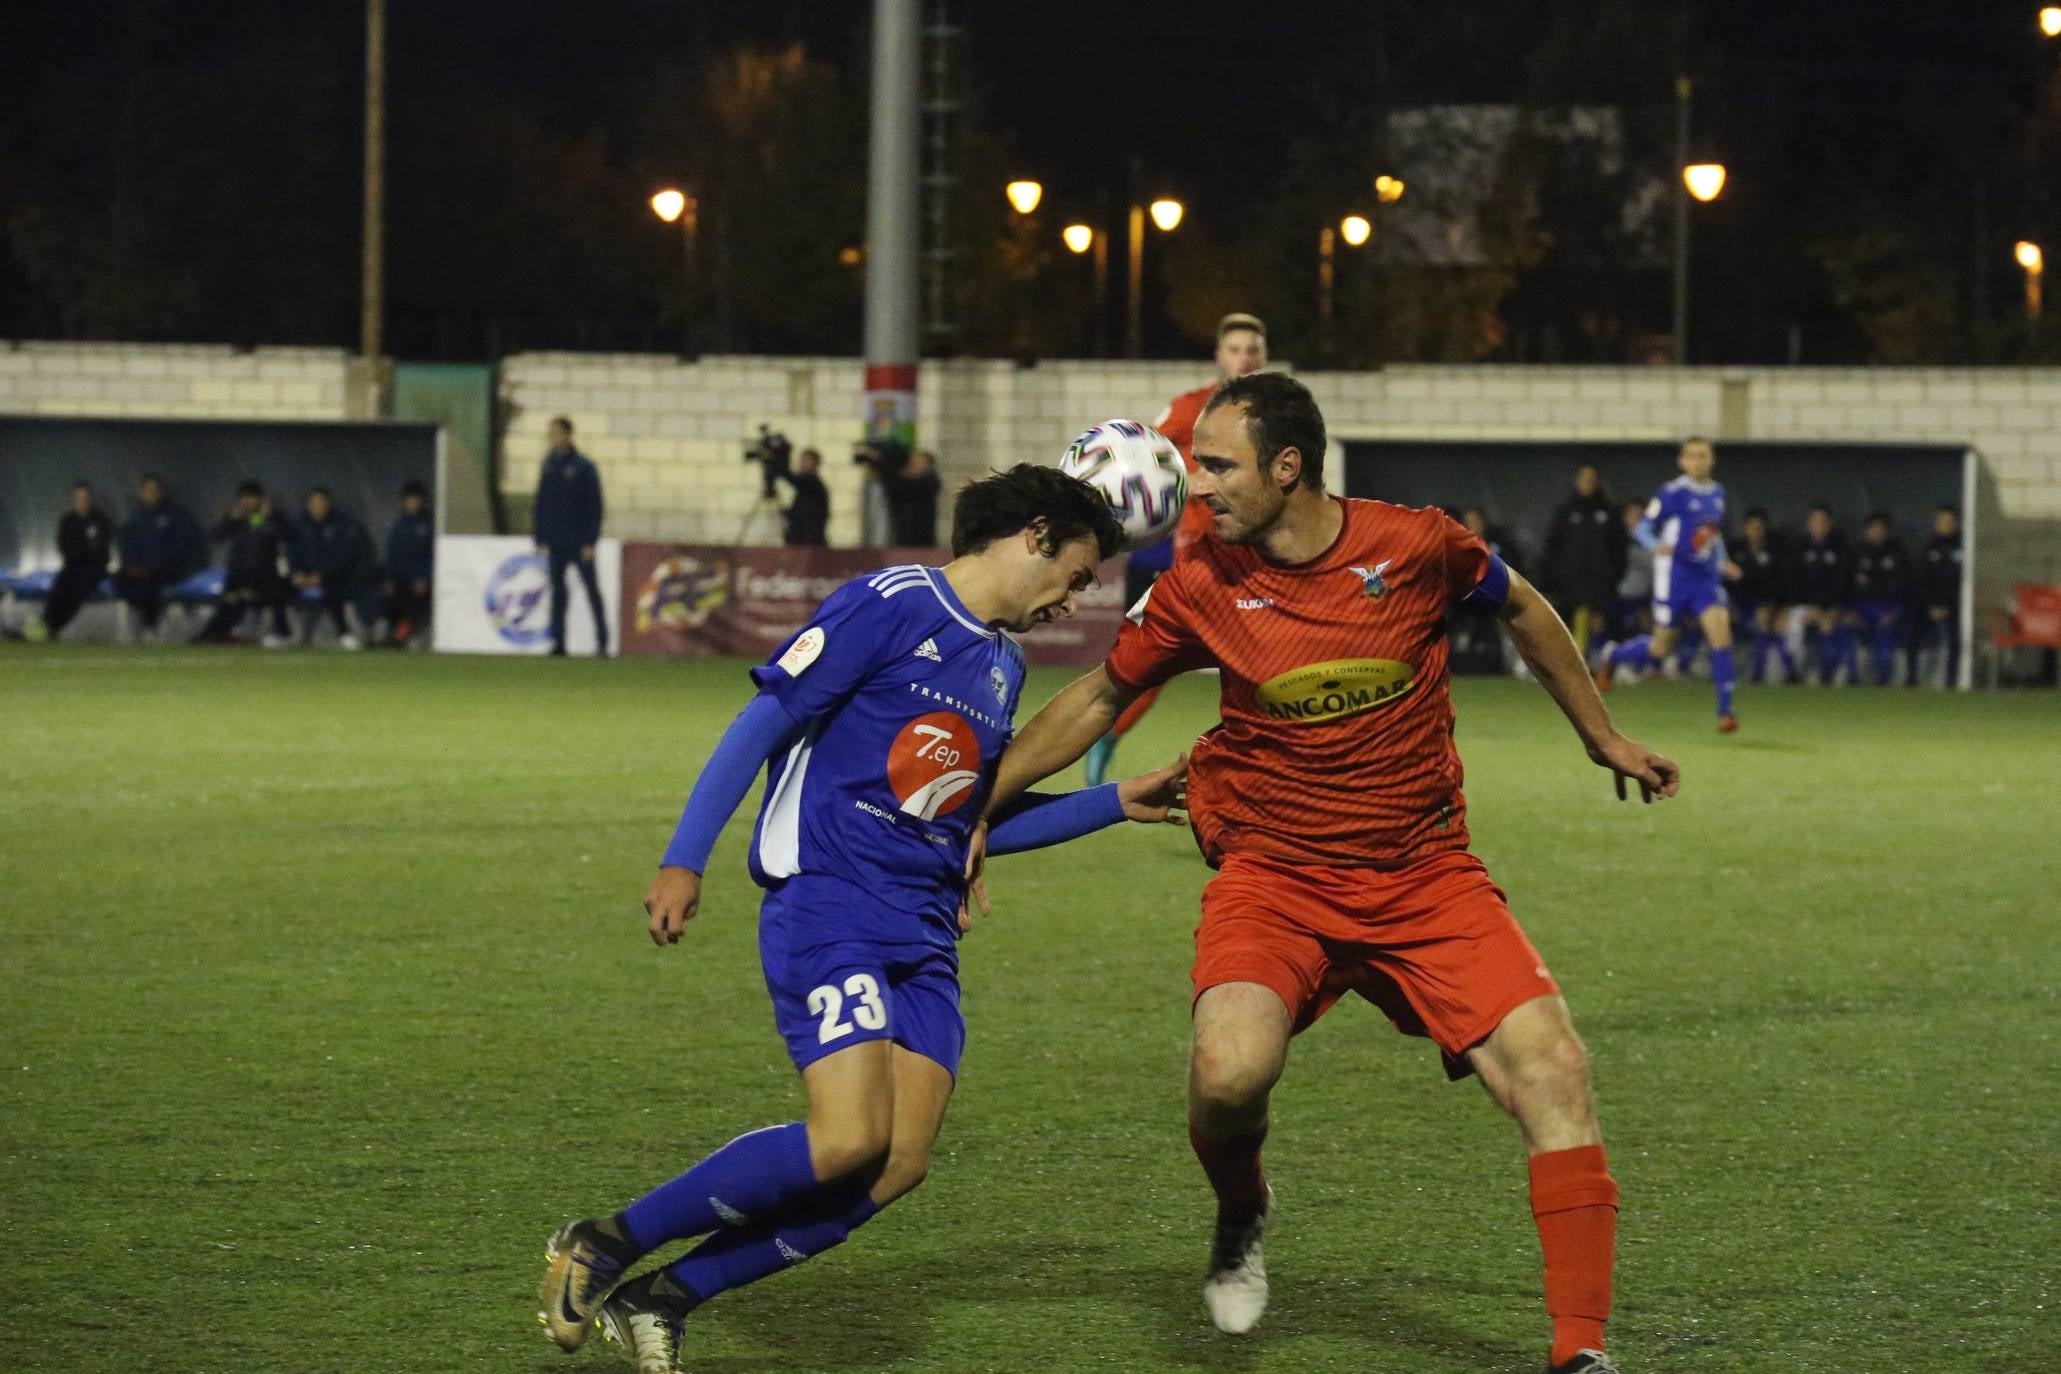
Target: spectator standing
158 545
1823 577
328 559
567 525
257 537
807 518
912 501
1762 594
1585 555
1630 612
1881 590
1937 603
411 544
85 536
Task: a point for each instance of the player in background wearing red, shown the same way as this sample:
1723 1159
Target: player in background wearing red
1241 351
1328 800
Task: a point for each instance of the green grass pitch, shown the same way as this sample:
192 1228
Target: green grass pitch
324 996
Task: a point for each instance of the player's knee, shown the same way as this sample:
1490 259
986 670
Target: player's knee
1227 1076
843 1149
1561 1062
904 1173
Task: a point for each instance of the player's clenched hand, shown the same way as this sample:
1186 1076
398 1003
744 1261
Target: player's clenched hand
1657 774
976 892
674 896
1161 795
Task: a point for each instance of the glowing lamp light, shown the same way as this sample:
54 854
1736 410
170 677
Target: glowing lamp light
851 256
1705 180
1079 238
1166 213
1024 195
1388 189
2029 256
669 205
2050 21
1354 229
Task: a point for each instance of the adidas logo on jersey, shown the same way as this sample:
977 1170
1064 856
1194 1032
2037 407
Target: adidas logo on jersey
928 649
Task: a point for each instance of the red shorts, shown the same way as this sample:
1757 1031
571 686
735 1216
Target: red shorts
1433 944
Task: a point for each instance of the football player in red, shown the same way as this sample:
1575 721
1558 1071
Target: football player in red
1328 801
1241 351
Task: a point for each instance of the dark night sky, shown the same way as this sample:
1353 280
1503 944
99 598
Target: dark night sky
1798 96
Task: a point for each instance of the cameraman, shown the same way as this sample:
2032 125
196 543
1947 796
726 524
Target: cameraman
808 514
912 502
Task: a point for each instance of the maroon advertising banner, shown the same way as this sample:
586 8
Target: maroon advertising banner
742 602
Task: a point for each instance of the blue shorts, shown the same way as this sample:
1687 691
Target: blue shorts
1685 600
831 995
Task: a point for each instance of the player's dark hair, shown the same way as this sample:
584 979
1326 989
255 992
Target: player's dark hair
411 487
1280 413
322 492
1759 513
1007 503
562 420
250 486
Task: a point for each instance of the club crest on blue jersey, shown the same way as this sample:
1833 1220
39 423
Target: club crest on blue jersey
1000 684
1371 581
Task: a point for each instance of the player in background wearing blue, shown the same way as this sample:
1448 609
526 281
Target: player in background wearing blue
880 726
1684 529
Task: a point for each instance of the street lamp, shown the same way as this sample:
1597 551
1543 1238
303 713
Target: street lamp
1388 190
1705 180
1355 230
1024 195
1079 239
2050 21
2035 264
675 206
1166 214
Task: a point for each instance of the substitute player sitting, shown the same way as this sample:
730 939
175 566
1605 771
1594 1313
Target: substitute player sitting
880 725
1328 800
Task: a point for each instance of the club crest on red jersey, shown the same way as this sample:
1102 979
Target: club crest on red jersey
1372 583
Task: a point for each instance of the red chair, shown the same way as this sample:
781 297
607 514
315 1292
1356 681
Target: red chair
2033 622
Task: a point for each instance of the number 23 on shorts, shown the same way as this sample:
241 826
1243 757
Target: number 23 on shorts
827 1001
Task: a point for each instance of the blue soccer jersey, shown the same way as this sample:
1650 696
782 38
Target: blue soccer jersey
907 700
1686 517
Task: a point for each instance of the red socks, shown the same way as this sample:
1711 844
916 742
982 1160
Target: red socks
1233 1167
1574 1200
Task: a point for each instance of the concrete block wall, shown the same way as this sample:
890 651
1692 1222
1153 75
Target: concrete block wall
172 381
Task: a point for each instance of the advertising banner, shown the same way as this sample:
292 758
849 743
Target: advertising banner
493 596
706 599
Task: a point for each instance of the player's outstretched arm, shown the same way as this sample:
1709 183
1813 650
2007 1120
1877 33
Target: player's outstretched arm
675 894
1536 629
1059 733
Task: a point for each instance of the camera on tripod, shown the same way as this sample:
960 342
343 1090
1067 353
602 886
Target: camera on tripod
774 455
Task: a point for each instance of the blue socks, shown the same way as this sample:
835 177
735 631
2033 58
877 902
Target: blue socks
734 1257
1724 676
1633 653
751 1176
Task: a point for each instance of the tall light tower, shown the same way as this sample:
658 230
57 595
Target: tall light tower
892 226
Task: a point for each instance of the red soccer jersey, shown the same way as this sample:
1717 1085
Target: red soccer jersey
1177 422
1336 739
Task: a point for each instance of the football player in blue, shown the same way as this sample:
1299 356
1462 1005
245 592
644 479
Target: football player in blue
880 726
1684 529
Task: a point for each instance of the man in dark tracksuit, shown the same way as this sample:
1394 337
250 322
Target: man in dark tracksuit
328 558
1822 577
567 526
160 544
1762 594
1881 589
84 536
1936 607
1585 552
411 548
256 536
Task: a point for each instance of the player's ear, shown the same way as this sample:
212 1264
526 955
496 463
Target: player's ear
1034 537
1288 468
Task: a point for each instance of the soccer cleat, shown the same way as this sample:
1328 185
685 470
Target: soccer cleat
1586 1362
1236 1290
648 1328
1727 724
578 1277
1100 755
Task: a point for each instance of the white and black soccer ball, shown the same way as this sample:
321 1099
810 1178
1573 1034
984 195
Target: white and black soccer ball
1139 473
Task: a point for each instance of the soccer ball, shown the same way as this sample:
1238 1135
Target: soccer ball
1138 471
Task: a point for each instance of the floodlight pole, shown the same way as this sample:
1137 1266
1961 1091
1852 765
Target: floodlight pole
892 229
1681 193
372 282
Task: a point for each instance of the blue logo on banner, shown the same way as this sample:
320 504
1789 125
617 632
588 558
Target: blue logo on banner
519 599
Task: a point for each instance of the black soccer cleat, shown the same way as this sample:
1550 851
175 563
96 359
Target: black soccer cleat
1586 1362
